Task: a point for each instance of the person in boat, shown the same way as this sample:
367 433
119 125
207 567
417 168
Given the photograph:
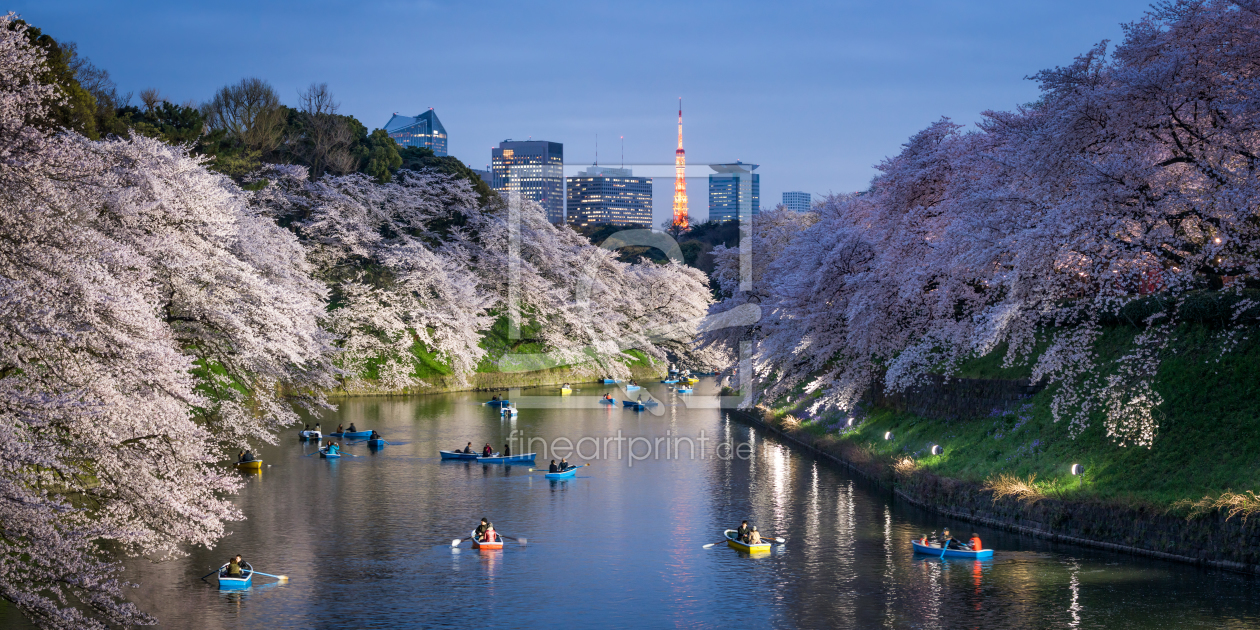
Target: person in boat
741 534
245 456
554 468
565 386
481 528
487 450
975 542
754 537
339 429
306 428
332 448
607 396
949 542
375 435
495 399
507 450
564 464
233 568
489 535
352 429
634 382
467 449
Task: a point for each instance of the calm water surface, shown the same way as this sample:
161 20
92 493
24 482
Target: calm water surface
366 540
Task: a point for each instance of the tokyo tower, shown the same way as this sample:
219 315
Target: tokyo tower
680 179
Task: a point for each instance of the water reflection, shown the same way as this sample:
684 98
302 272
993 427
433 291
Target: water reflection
366 541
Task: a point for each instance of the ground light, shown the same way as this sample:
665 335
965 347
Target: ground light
1078 471
888 435
937 449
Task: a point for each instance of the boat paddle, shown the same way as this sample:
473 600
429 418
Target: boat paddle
522 541
212 572
455 543
710 545
282 578
944 547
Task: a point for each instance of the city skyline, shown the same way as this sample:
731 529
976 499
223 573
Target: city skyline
842 94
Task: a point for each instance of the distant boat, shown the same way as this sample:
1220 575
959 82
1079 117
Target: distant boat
732 541
684 390
610 381
608 401
377 443
309 435
236 583
670 381
497 403
572 472
508 459
631 388
250 465
935 550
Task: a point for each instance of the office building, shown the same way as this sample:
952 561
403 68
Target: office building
613 196
424 130
734 191
535 168
797 201
484 174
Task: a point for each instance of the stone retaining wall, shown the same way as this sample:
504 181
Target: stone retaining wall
1211 540
482 381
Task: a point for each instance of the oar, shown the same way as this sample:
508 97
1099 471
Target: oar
710 545
945 547
212 572
282 578
523 541
455 543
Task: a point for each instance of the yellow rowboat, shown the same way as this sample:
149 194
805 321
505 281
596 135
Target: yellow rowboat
691 380
565 391
732 542
254 465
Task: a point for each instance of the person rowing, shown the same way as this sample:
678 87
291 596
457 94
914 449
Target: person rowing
352 429
487 451
507 450
948 541
741 534
467 449
375 435
554 468
245 456
607 396
754 537
564 464
332 449
233 567
485 532
481 528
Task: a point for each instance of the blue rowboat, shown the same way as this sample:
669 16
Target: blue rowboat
627 403
651 402
377 443
631 388
324 454
497 403
608 401
935 550
610 381
508 459
459 455
637 406
309 435
236 583
356 434
684 390
572 472
671 381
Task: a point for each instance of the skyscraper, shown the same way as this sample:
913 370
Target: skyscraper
536 169
734 191
423 130
609 195
681 219
796 200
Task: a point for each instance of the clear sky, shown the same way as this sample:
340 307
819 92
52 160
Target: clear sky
816 93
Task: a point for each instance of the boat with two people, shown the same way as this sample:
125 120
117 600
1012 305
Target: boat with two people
949 547
246 461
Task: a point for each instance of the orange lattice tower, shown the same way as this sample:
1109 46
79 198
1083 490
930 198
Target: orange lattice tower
680 179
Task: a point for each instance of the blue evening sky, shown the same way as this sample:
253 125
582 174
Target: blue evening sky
816 93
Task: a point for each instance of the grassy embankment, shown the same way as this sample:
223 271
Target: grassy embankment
1208 441
491 373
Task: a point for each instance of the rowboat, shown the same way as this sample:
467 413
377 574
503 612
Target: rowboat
610 381
637 406
631 388
498 544
684 390
497 403
670 381
459 455
608 401
507 411
691 380
572 472
508 459
324 454
565 391
732 541
950 553
250 465
628 403
352 434
236 583
309 435
377 443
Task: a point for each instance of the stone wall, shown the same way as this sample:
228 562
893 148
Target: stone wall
947 398
1210 540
